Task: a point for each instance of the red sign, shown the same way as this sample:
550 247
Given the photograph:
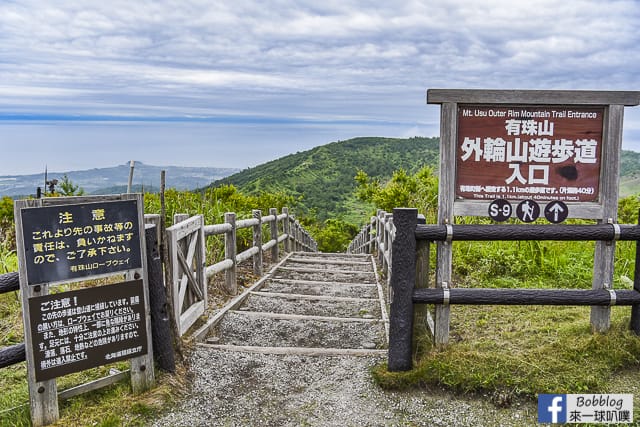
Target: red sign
524 152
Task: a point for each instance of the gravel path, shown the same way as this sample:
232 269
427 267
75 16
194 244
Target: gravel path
239 389
232 388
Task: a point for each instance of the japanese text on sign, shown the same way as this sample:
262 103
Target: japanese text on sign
545 153
69 241
77 330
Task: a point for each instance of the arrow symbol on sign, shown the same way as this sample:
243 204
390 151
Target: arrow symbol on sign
556 209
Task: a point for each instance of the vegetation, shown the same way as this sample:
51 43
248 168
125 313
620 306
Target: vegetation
321 179
114 405
503 351
516 351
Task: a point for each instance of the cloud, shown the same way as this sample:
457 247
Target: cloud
333 60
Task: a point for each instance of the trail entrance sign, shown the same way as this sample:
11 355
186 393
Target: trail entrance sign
539 153
76 239
524 147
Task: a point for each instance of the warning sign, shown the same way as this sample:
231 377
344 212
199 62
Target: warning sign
77 330
76 241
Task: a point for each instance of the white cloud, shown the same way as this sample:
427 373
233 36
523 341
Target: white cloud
304 60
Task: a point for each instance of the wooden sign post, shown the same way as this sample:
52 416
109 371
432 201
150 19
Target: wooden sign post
525 148
74 239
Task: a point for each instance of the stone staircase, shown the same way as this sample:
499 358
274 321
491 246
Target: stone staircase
310 303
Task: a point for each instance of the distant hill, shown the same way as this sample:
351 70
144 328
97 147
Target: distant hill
323 177
114 179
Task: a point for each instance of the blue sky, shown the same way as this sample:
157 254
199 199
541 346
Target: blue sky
87 84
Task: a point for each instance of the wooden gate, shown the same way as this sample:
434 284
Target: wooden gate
186 247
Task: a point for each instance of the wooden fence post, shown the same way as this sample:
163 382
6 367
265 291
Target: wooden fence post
274 234
380 236
230 253
372 234
423 321
257 242
403 279
634 324
286 225
160 320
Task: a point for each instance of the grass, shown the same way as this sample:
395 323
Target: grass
111 406
517 352
523 351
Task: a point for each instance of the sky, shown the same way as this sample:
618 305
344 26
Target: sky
86 84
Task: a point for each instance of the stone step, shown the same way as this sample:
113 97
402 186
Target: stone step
325 275
302 351
312 305
333 265
309 287
277 330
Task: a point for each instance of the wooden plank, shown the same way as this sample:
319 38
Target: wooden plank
533 97
142 367
283 316
324 261
446 191
273 233
12 354
503 296
302 351
190 315
269 245
603 266
246 223
383 303
210 230
9 282
316 282
230 251
43 396
324 270
243 256
218 267
191 279
94 385
311 297
186 227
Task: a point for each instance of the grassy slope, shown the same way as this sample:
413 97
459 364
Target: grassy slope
323 177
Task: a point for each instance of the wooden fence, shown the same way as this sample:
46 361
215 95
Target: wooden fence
404 245
186 246
189 275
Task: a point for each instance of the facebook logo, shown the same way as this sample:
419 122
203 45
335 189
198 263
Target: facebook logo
552 408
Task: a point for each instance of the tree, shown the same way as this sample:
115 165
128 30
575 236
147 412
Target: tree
402 190
67 188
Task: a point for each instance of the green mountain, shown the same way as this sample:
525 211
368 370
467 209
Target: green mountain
323 178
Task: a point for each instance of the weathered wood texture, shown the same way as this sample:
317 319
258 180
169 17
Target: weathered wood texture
160 319
403 277
605 253
465 296
488 232
533 97
43 396
446 191
12 355
9 282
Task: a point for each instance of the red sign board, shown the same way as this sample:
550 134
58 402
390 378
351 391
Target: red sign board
528 152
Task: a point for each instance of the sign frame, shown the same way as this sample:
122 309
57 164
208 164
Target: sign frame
604 210
43 398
